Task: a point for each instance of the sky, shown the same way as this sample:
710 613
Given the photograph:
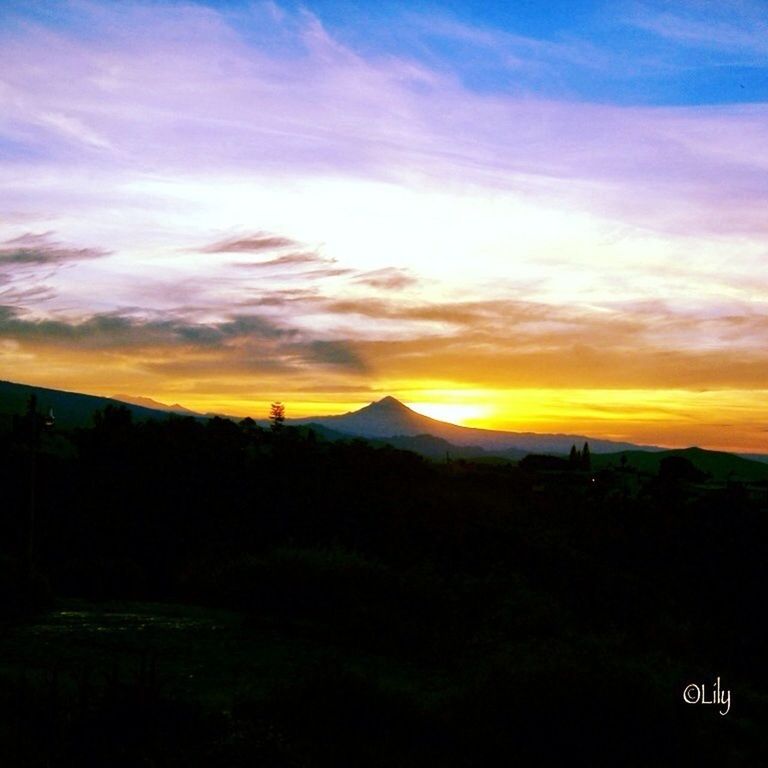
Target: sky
532 216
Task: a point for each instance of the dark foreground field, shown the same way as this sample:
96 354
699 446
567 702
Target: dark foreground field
204 594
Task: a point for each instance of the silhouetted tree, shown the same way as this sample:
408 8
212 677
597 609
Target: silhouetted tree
574 459
586 459
114 418
535 462
277 416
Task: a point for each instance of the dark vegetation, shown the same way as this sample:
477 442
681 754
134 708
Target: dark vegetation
188 593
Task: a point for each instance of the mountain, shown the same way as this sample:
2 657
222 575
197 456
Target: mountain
389 418
71 409
148 402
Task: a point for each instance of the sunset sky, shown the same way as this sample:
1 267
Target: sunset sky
539 216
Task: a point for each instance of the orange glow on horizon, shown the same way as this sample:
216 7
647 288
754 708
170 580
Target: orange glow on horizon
717 419
463 414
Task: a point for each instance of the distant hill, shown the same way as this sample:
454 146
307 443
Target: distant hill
430 447
148 402
389 418
762 457
718 464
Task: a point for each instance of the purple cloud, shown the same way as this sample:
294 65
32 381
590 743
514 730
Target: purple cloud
326 109
261 241
388 278
40 250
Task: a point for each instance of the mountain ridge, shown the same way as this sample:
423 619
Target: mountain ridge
71 409
390 418
387 420
148 402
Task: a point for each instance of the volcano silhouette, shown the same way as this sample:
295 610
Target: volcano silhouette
389 417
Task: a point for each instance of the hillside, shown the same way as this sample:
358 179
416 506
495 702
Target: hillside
71 409
718 464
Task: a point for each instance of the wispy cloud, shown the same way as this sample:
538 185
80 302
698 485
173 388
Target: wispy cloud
250 244
29 264
289 259
388 278
740 27
328 110
41 250
511 50
337 353
240 345
120 332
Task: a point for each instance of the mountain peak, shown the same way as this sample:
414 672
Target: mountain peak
148 402
390 402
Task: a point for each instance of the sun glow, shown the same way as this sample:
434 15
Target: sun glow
453 413
717 419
